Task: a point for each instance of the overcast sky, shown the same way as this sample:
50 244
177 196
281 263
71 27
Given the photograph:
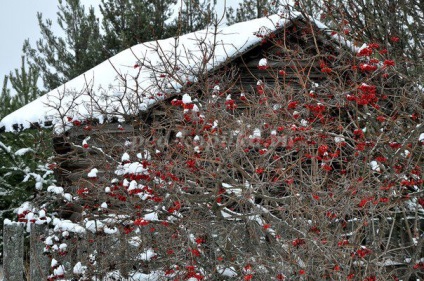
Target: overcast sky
18 21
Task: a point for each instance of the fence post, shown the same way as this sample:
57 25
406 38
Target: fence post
13 251
39 263
123 265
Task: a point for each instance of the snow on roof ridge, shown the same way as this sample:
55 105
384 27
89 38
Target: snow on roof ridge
103 90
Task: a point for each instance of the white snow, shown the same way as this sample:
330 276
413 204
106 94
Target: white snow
59 271
23 151
263 62
232 190
79 268
145 155
374 166
339 139
154 216
63 247
9 222
147 255
153 276
110 230
26 206
227 271
42 214
364 46
93 173
94 225
102 90
406 153
55 189
131 168
67 225
3 146
133 185
84 142
143 106
54 263
125 157
38 185
67 197
187 99
49 241
256 134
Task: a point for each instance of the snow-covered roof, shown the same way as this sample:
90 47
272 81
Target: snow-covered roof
140 76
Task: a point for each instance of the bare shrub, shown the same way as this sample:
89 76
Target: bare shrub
300 159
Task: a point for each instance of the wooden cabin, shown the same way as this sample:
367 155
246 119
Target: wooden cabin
120 106
298 48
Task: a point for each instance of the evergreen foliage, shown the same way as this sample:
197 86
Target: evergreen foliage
23 154
23 166
251 9
63 58
130 22
195 15
5 98
24 83
23 171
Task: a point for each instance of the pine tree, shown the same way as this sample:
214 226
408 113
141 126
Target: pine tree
5 98
251 9
63 58
23 172
195 15
22 154
25 84
130 22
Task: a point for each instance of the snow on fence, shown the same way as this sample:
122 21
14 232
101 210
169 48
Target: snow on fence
29 261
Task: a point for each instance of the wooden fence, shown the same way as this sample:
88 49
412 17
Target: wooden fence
25 259
14 268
